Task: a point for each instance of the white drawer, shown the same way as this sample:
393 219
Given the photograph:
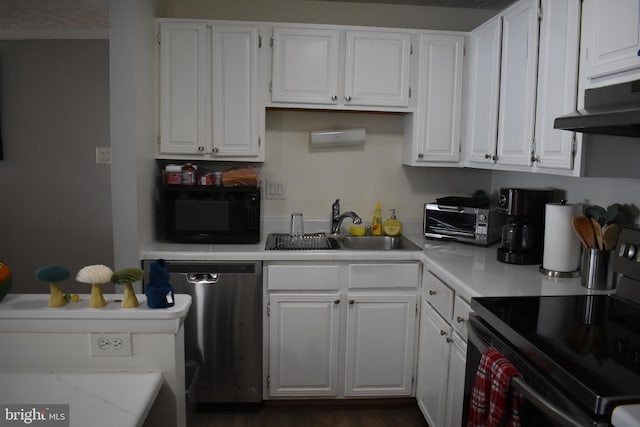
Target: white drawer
391 275
461 310
303 277
438 294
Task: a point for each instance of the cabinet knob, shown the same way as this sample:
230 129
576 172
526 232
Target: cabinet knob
432 292
460 319
420 155
449 340
443 333
347 98
351 302
215 150
487 156
336 301
201 148
534 159
334 98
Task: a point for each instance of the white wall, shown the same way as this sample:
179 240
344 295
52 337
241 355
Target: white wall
359 176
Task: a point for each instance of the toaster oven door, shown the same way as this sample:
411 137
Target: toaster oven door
452 222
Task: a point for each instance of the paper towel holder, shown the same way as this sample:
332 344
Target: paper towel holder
560 274
338 137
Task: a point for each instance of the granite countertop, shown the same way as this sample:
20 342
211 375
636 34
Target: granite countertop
112 398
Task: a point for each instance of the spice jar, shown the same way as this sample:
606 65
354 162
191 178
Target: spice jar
173 174
207 178
189 174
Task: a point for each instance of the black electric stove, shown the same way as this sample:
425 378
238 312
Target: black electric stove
585 347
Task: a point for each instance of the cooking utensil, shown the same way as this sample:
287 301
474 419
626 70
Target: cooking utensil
597 232
583 228
610 236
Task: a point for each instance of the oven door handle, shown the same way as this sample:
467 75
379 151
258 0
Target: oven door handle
528 392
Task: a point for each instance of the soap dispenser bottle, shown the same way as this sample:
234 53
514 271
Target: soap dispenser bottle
376 223
392 227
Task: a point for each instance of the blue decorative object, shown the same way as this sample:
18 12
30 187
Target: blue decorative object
159 291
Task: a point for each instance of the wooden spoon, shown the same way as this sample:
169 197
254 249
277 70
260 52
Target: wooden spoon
610 236
583 228
597 231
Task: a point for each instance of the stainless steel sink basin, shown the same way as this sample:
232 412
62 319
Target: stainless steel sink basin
376 243
320 241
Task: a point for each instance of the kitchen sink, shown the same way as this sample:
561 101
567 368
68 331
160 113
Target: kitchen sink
320 241
376 243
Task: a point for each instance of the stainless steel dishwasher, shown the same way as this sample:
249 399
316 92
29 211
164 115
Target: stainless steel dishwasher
223 330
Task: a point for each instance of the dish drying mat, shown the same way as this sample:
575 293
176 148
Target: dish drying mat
284 241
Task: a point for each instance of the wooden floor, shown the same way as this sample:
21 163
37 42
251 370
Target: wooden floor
310 416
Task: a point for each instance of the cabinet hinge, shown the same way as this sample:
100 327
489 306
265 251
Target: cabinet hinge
413 380
158 139
259 42
409 91
464 51
417 311
540 13
574 144
158 37
268 312
271 86
259 141
268 381
411 49
271 43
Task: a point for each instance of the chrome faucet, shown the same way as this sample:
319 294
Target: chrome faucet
337 218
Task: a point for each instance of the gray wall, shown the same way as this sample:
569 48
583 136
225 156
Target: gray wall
55 206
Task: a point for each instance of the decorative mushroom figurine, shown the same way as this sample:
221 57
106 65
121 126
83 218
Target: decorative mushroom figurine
54 274
126 277
95 275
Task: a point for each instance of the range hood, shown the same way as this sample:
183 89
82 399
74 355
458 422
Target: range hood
608 110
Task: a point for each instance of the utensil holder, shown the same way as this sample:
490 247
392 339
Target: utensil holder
595 271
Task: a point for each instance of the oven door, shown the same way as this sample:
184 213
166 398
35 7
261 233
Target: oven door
450 222
543 403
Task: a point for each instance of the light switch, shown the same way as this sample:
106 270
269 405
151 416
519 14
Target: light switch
276 190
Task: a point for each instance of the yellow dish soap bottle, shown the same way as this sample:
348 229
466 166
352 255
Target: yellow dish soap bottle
392 227
376 223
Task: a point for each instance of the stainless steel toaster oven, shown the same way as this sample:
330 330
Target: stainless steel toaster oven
477 225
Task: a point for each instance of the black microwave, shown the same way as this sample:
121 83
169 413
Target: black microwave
207 214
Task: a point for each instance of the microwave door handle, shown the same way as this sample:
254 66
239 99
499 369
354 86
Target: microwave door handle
528 392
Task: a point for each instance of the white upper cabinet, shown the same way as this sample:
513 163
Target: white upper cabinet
209 95
436 122
610 40
349 69
511 106
483 92
305 65
377 68
183 75
516 115
557 89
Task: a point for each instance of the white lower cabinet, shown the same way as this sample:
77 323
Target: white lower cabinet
442 353
329 335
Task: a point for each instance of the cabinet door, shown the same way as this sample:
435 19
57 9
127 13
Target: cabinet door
305 65
455 385
184 86
433 365
484 89
557 77
611 32
380 345
516 117
303 344
377 68
235 91
440 97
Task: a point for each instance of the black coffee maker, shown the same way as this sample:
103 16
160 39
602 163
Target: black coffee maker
523 231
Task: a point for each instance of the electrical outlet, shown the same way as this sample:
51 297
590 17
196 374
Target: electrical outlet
111 345
103 155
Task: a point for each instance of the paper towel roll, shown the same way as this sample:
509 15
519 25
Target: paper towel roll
561 245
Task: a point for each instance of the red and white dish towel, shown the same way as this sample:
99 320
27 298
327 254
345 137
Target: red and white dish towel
493 404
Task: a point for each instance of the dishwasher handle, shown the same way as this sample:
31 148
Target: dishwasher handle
202 278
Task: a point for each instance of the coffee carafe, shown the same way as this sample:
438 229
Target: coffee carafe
523 231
